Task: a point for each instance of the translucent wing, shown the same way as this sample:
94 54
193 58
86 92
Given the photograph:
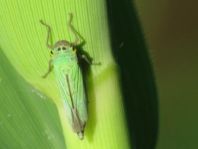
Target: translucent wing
70 83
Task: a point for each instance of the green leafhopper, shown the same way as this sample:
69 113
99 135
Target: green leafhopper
69 78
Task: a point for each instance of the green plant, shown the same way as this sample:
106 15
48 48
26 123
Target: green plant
122 54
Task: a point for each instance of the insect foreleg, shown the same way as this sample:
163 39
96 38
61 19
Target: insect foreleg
50 67
79 39
50 46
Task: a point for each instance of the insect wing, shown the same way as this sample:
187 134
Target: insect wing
72 92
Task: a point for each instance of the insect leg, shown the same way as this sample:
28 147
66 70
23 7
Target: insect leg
49 69
77 35
89 61
50 46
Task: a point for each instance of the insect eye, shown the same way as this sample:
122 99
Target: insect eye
63 48
59 49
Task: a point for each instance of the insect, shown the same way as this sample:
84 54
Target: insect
64 62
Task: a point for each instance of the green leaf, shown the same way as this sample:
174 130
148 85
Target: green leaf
28 119
109 87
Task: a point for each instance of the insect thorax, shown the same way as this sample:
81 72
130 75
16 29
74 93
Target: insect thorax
64 57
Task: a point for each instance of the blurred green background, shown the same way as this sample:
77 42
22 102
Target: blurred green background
171 32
